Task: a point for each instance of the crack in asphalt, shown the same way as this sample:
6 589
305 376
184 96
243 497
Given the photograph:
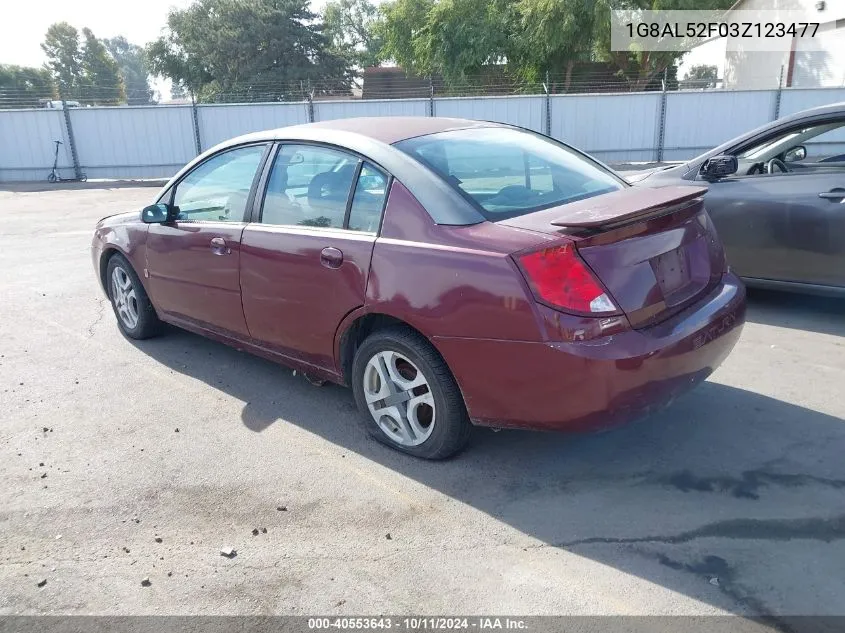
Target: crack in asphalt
101 310
717 567
748 485
814 528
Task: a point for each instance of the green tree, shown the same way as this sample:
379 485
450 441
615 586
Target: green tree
178 91
22 87
459 39
167 58
463 36
639 68
553 36
352 28
527 38
133 69
455 38
402 36
248 50
700 76
101 81
64 59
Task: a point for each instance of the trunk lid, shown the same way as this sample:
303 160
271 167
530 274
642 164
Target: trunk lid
654 250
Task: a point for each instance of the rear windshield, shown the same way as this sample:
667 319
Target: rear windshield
506 173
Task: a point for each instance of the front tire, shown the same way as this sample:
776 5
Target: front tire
407 396
136 316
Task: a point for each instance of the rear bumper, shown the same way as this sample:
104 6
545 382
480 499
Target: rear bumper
593 384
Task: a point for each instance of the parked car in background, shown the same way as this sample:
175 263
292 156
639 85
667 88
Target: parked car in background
451 272
777 198
56 104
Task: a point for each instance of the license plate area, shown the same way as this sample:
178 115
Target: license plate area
671 269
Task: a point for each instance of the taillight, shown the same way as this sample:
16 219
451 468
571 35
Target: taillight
558 276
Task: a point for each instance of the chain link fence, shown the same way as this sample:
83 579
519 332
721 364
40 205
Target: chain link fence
373 83
99 140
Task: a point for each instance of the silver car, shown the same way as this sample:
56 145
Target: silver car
777 198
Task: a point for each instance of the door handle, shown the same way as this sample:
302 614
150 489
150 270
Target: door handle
833 194
218 246
331 257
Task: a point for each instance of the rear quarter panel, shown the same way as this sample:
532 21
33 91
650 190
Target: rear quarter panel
450 281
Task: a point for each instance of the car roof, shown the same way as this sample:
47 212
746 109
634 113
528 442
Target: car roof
387 129
373 139
392 129
834 109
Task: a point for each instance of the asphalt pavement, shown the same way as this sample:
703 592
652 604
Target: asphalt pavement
123 461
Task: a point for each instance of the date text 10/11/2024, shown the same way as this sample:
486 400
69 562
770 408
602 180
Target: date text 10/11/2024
417 623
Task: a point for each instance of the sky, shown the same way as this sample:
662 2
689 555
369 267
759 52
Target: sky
22 33
25 23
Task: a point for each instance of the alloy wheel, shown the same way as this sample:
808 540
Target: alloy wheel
124 297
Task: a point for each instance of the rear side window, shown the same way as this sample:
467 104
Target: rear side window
368 201
506 173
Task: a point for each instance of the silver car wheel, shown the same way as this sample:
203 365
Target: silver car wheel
399 398
124 297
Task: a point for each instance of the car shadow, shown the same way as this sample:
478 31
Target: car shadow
797 311
704 490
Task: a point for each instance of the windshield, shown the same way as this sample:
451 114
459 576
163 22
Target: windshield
507 173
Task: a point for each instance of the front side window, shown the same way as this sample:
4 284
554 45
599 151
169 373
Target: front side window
812 148
309 186
507 172
218 189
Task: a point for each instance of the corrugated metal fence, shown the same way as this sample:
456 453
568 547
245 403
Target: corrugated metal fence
154 141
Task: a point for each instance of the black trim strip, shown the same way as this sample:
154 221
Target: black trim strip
249 209
388 187
258 204
351 196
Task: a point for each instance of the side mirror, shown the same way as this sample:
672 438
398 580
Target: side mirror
794 154
155 213
719 167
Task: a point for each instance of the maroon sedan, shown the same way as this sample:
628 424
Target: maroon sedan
452 272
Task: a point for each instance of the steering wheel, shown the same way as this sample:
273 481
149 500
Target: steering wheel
776 162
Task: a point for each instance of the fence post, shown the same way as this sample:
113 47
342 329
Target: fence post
661 124
310 97
776 113
196 120
430 96
548 123
77 168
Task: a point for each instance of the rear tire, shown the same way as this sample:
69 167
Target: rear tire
135 314
407 396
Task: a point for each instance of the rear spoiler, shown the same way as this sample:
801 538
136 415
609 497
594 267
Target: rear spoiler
625 206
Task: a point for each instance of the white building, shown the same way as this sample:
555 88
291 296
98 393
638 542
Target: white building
823 66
